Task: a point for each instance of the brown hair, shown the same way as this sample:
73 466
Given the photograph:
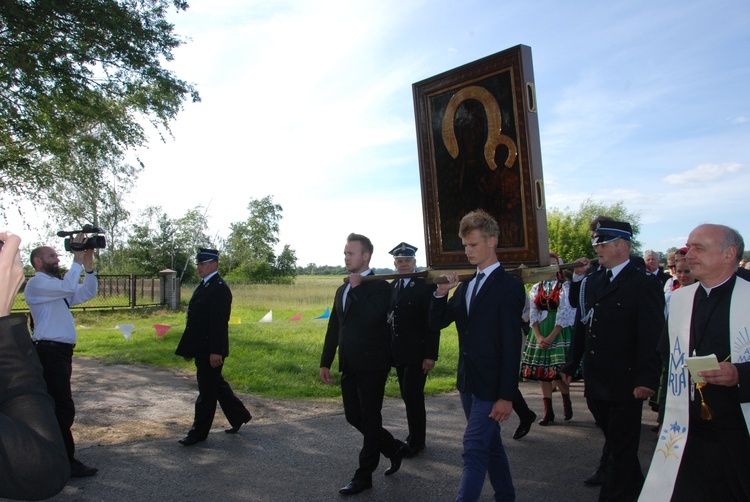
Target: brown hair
479 220
366 243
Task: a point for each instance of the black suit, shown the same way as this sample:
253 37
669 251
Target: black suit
206 333
34 463
618 345
412 341
662 276
361 335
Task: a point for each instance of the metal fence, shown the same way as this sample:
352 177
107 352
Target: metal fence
115 292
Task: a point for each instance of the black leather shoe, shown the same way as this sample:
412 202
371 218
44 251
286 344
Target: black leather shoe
236 428
596 478
355 486
524 427
80 470
396 459
189 441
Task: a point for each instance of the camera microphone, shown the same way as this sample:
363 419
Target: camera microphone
87 229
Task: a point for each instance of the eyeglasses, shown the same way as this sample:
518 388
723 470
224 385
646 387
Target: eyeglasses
672 266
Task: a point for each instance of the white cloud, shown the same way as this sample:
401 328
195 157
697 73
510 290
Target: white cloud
704 173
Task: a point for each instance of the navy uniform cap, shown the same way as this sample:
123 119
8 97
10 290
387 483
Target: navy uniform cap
205 255
607 231
404 250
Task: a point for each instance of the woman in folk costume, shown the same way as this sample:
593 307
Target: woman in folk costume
551 318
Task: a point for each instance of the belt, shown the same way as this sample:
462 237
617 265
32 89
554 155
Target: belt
50 343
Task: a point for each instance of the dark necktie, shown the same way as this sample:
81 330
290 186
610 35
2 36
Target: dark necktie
477 280
609 276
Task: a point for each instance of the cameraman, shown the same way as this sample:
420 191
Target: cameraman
54 333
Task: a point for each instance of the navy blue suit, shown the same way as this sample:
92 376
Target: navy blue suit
488 361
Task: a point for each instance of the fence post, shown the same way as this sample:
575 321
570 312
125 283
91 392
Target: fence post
133 290
169 292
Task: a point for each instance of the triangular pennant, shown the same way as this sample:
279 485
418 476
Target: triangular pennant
296 317
326 314
268 317
127 330
161 329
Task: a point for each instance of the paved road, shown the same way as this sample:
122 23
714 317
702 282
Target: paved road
308 459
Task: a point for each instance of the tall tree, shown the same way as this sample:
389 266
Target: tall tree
72 204
80 77
286 263
158 242
190 235
249 249
569 235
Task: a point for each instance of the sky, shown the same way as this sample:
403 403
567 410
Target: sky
311 102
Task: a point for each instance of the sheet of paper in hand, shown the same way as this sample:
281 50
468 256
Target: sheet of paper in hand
701 363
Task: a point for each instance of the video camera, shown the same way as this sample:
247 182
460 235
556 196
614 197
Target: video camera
92 241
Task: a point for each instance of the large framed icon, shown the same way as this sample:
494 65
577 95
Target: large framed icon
478 140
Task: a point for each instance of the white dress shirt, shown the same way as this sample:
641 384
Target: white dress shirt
46 297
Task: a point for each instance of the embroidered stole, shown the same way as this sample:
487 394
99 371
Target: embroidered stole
672 438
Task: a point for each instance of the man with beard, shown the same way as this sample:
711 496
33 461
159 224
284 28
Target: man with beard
54 334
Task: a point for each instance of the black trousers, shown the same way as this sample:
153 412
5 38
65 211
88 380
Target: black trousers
411 381
57 363
521 407
362 394
715 466
212 388
621 423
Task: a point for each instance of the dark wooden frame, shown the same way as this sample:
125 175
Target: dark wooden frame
495 94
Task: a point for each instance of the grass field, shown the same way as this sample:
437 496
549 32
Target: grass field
278 359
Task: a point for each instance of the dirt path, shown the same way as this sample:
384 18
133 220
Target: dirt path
119 403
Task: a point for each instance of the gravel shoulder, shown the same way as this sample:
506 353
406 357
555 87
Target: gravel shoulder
122 403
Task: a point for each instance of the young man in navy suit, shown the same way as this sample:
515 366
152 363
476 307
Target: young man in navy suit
487 311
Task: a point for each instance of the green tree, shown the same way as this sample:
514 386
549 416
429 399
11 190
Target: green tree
72 204
249 248
568 230
158 242
286 263
78 79
190 234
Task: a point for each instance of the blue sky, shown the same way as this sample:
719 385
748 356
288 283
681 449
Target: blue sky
311 102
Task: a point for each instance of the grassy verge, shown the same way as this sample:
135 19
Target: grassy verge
278 359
